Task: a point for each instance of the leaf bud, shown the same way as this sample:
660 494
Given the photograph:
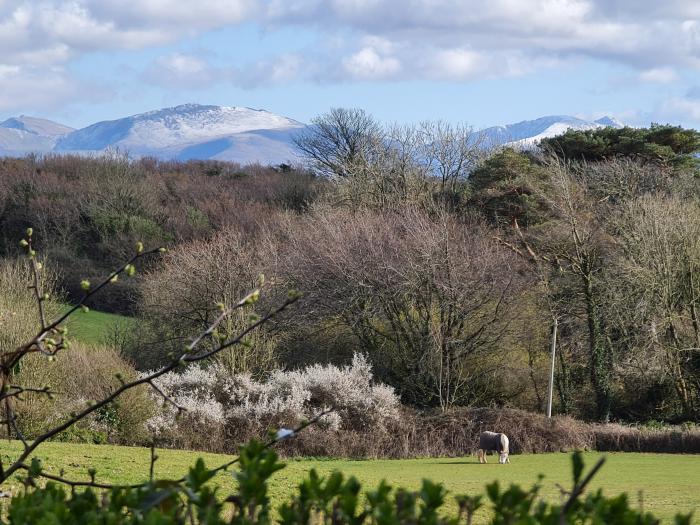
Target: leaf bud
252 297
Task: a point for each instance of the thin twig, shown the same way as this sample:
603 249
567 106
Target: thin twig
183 360
165 396
16 391
12 358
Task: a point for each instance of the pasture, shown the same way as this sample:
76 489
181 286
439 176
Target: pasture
94 327
663 483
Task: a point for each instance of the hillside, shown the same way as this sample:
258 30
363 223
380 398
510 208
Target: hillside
225 133
21 135
190 131
530 132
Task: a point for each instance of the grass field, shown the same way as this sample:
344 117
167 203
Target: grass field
92 327
668 483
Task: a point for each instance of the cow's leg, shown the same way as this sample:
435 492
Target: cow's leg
480 453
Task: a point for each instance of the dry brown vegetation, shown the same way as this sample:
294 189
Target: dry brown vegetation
444 264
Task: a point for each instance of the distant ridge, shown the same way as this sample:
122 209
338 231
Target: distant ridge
229 133
187 131
529 132
22 135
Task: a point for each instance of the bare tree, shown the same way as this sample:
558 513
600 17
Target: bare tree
388 166
450 152
660 236
181 298
340 141
570 248
430 299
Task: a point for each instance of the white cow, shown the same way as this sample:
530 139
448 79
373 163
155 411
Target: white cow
494 441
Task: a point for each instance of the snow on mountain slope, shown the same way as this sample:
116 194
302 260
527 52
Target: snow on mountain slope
263 146
529 132
238 134
38 126
21 135
189 131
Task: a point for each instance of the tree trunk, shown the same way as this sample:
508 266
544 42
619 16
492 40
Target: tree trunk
599 353
563 383
677 371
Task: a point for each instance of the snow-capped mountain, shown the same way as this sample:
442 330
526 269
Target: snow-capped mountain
239 134
193 131
529 132
21 135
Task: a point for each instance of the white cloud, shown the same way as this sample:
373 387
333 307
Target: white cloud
184 15
39 38
181 71
660 75
368 64
44 31
28 90
361 40
625 31
681 108
621 32
457 63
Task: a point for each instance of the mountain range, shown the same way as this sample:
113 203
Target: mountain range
239 134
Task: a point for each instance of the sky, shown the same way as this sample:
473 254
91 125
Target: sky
479 62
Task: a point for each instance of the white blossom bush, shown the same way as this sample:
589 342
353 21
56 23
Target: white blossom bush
193 391
211 398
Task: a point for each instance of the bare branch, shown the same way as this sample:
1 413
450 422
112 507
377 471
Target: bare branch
182 360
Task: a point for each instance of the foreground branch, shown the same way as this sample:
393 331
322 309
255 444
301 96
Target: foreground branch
42 343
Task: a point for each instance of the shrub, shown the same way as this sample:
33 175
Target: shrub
236 407
18 313
684 440
181 299
81 375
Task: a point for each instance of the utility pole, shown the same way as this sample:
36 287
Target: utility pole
551 371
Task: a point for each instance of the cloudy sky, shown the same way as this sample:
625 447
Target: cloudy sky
482 62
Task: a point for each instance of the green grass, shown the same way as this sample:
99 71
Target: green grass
94 327
668 482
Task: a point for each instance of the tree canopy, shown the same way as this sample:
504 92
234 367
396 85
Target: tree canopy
669 146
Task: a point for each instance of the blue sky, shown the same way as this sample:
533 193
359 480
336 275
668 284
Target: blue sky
482 62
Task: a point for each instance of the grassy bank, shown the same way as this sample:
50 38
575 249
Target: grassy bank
667 483
95 327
